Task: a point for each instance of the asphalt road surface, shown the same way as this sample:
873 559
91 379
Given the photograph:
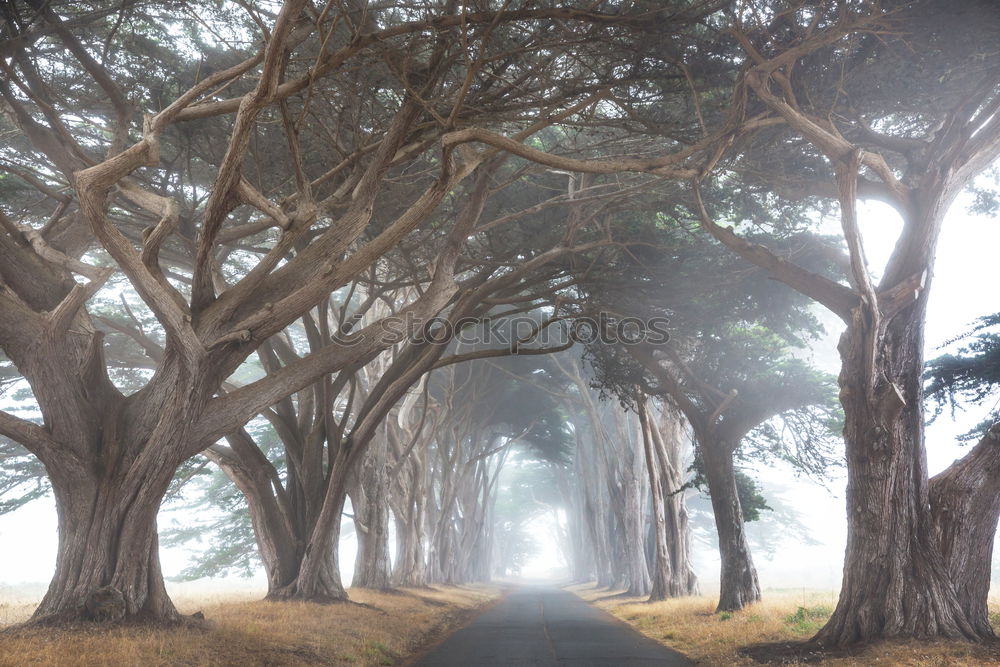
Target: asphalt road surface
543 625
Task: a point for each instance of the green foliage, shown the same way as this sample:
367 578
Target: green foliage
808 620
380 653
514 397
216 524
735 328
985 192
780 523
752 501
22 477
972 374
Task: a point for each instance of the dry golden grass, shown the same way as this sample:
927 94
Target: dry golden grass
384 629
691 626
15 610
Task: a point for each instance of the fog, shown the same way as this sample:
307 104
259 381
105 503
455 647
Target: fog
963 290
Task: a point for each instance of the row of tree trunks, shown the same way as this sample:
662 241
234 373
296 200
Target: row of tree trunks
628 490
591 502
616 440
629 526
461 548
409 509
671 570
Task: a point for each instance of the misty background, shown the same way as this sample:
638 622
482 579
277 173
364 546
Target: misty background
800 545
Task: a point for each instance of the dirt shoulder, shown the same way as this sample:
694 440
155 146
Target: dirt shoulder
771 631
374 629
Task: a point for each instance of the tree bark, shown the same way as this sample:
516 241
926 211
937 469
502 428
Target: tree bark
372 568
672 440
318 577
623 486
590 502
107 564
278 529
738 585
410 570
671 573
639 582
661 571
896 581
282 533
410 513
965 508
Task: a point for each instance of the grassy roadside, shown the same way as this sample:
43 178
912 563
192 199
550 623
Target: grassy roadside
691 626
384 629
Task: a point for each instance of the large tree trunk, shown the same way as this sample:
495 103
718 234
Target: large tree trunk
905 569
673 440
896 581
107 564
683 579
661 571
278 528
410 570
372 568
410 514
965 507
280 546
282 519
622 467
738 585
599 525
318 578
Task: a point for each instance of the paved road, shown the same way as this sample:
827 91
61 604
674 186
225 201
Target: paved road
543 625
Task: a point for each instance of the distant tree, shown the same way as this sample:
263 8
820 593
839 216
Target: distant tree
731 390
486 412
730 365
22 477
972 374
215 522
